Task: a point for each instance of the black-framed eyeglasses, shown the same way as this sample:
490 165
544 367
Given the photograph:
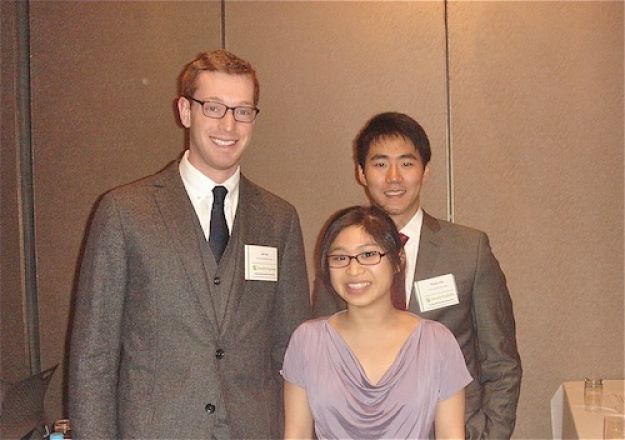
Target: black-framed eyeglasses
367 258
217 110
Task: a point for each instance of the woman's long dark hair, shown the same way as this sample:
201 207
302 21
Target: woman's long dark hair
379 225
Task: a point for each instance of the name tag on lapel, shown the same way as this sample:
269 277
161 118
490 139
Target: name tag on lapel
436 293
261 263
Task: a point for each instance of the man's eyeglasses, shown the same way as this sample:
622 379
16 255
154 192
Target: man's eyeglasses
217 110
368 258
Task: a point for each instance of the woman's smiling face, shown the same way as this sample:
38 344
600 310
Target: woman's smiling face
360 285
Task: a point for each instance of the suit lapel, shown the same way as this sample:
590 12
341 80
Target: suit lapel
247 220
182 224
429 247
429 251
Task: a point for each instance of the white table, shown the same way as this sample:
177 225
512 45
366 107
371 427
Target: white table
571 419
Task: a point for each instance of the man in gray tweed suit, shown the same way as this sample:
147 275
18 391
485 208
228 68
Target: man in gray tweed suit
452 275
191 283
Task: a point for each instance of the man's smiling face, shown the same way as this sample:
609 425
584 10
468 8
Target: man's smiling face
393 174
216 145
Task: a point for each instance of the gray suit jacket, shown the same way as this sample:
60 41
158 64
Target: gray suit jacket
482 322
162 335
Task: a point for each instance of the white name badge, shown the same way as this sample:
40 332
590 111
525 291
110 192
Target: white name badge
261 263
436 293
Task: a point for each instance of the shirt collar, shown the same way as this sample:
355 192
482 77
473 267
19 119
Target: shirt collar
201 184
413 227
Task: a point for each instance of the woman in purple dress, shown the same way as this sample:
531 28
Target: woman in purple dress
374 370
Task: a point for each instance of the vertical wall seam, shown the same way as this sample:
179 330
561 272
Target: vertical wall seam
223 24
449 157
27 205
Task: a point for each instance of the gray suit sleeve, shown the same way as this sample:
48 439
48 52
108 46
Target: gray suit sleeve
96 329
500 365
292 304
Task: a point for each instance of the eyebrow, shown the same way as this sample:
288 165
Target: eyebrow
387 156
359 248
221 101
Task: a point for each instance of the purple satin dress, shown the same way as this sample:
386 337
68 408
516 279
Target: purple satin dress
429 368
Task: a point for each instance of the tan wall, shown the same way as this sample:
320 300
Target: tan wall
536 108
537 104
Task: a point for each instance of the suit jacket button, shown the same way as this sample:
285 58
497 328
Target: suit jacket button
219 354
217 281
209 408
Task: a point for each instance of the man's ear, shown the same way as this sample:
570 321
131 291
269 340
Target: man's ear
427 171
361 176
184 111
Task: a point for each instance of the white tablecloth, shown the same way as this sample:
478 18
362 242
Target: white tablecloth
571 419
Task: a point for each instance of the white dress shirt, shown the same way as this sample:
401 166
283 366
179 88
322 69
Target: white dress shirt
200 191
411 248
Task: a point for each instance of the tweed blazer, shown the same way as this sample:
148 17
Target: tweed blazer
483 321
150 356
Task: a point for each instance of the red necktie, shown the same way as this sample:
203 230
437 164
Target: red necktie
404 238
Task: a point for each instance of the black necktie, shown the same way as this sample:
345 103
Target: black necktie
218 238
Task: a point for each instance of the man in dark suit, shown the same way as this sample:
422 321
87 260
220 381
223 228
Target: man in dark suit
452 275
191 284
